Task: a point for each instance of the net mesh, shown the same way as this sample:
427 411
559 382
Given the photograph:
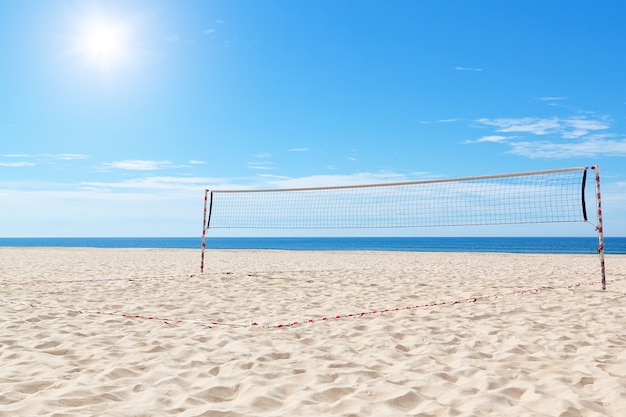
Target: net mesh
540 197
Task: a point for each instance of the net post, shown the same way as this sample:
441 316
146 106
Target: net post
599 227
204 227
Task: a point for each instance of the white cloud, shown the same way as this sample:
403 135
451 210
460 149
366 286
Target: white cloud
493 138
260 165
577 127
562 137
153 185
591 147
572 127
138 165
208 31
299 150
552 98
67 156
425 122
281 177
17 164
72 213
361 178
263 155
179 184
147 206
553 101
195 162
468 69
60 156
523 125
178 40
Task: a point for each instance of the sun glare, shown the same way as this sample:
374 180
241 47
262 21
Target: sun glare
103 43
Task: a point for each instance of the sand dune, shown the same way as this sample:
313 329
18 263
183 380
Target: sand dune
119 332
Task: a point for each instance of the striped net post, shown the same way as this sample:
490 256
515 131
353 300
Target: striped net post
204 227
599 227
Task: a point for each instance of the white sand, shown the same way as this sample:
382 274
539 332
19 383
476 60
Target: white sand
554 352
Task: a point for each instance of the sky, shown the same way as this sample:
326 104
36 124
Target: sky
116 115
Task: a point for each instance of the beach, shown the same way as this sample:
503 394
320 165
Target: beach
141 332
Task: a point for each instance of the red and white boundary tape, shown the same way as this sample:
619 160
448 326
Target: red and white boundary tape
322 319
415 307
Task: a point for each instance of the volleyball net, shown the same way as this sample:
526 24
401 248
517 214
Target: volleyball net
552 196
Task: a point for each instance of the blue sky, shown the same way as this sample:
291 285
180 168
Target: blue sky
116 115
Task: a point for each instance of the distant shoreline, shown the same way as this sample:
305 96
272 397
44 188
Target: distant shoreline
548 245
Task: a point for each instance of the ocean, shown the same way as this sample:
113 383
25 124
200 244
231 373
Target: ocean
566 245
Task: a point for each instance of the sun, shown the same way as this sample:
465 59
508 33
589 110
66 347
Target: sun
103 43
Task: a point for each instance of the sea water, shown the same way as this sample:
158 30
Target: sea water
567 245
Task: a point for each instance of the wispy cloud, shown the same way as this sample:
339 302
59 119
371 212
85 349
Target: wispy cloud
195 162
29 160
493 138
137 165
145 185
553 101
60 156
340 180
560 137
441 121
274 177
261 165
67 156
17 164
16 155
468 69
552 98
572 127
151 183
591 147
175 39
208 31
577 127
523 125
299 150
